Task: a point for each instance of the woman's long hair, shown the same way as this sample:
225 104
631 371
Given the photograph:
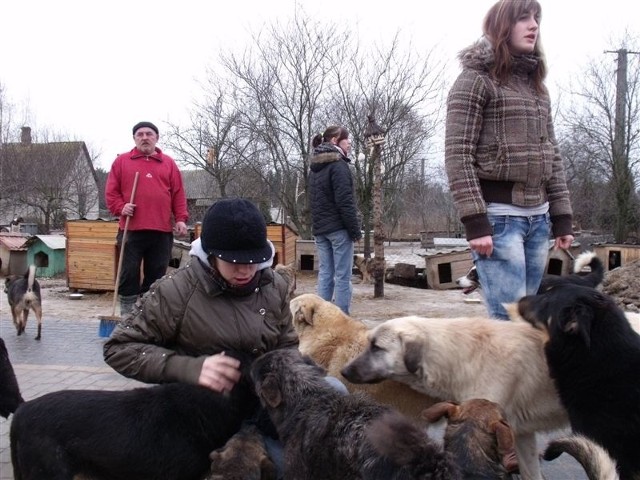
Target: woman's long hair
329 133
497 26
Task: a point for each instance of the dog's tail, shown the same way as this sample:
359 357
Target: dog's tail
597 463
408 446
591 260
30 296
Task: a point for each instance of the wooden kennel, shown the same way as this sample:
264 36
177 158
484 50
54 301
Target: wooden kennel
91 259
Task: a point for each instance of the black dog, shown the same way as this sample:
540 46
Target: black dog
325 432
470 282
23 294
161 432
10 397
593 355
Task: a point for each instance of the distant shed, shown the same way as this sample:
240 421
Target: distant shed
47 253
284 240
444 266
13 254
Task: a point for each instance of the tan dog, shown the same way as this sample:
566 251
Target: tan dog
478 438
465 358
365 266
332 339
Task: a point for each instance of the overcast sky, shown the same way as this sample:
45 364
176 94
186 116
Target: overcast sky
91 70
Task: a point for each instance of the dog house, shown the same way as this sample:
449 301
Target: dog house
47 253
307 259
284 239
560 262
615 255
91 259
13 254
443 267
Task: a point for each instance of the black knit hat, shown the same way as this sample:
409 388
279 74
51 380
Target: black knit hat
145 124
234 230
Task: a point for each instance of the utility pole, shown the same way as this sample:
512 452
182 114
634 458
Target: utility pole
621 171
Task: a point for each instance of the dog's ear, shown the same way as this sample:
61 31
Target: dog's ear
412 355
576 321
439 410
506 445
269 391
305 312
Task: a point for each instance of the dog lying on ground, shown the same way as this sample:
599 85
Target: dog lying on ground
466 358
593 355
477 437
332 339
597 463
244 457
10 397
23 294
163 431
324 431
470 282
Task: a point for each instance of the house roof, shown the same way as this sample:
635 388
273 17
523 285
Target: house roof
14 241
54 242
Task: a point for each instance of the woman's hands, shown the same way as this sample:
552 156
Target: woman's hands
220 373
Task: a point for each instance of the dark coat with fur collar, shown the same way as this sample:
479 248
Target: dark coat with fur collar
332 193
500 145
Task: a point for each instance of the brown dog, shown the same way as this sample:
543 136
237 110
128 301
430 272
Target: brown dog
244 457
23 294
365 266
288 272
332 339
478 438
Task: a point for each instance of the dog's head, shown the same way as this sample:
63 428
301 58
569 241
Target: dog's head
392 351
570 310
469 282
480 423
303 308
285 375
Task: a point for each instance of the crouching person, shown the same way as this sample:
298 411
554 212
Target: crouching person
226 298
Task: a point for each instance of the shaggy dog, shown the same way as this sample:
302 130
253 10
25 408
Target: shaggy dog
478 438
594 278
23 294
160 432
465 358
10 397
288 272
332 339
324 432
244 457
597 463
593 355
364 266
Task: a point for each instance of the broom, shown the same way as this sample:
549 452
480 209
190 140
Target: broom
108 323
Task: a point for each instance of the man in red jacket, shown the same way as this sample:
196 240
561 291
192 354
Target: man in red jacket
159 208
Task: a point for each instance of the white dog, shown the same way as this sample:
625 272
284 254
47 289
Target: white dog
465 358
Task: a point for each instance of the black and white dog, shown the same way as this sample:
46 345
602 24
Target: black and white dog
470 282
23 293
593 355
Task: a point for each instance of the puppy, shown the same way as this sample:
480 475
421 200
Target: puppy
470 282
466 358
593 355
332 339
324 431
23 294
244 457
597 463
10 396
477 437
163 431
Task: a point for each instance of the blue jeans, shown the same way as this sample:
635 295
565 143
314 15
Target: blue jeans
517 264
335 254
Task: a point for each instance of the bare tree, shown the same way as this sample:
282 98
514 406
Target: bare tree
592 146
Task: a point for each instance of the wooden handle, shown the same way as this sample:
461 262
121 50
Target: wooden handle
124 239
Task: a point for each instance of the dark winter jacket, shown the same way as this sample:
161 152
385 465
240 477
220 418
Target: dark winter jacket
332 193
500 145
187 316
